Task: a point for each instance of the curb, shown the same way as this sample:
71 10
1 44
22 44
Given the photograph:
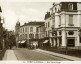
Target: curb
51 53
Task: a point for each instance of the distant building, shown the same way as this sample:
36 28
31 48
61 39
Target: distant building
28 33
17 30
11 33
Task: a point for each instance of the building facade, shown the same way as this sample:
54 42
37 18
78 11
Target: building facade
49 23
41 32
33 36
66 20
23 35
28 33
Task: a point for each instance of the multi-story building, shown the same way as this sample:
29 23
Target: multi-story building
33 36
28 32
41 32
67 23
49 23
23 34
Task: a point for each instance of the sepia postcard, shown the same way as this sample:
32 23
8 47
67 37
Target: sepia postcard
38 31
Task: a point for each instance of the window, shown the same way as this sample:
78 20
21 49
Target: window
37 29
80 39
52 34
70 32
37 36
31 35
23 36
48 24
59 20
55 32
71 20
59 32
26 36
70 6
31 29
46 33
21 30
25 29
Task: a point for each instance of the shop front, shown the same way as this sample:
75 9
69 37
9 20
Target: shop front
33 43
70 42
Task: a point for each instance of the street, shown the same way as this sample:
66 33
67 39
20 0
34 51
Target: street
27 54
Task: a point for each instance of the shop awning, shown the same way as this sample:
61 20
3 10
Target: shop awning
23 41
45 41
19 41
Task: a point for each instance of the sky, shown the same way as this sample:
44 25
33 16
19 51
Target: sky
23 11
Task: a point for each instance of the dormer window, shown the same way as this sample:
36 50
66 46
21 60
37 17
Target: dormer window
70 6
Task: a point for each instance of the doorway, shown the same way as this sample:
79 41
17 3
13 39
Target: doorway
70 42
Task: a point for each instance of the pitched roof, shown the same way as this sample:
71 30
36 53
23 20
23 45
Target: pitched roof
35 23
42 25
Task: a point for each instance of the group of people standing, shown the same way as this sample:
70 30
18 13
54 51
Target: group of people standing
32 46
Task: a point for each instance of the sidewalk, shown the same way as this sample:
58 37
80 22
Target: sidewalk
60 55
9 55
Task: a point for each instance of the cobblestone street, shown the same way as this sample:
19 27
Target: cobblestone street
26 54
